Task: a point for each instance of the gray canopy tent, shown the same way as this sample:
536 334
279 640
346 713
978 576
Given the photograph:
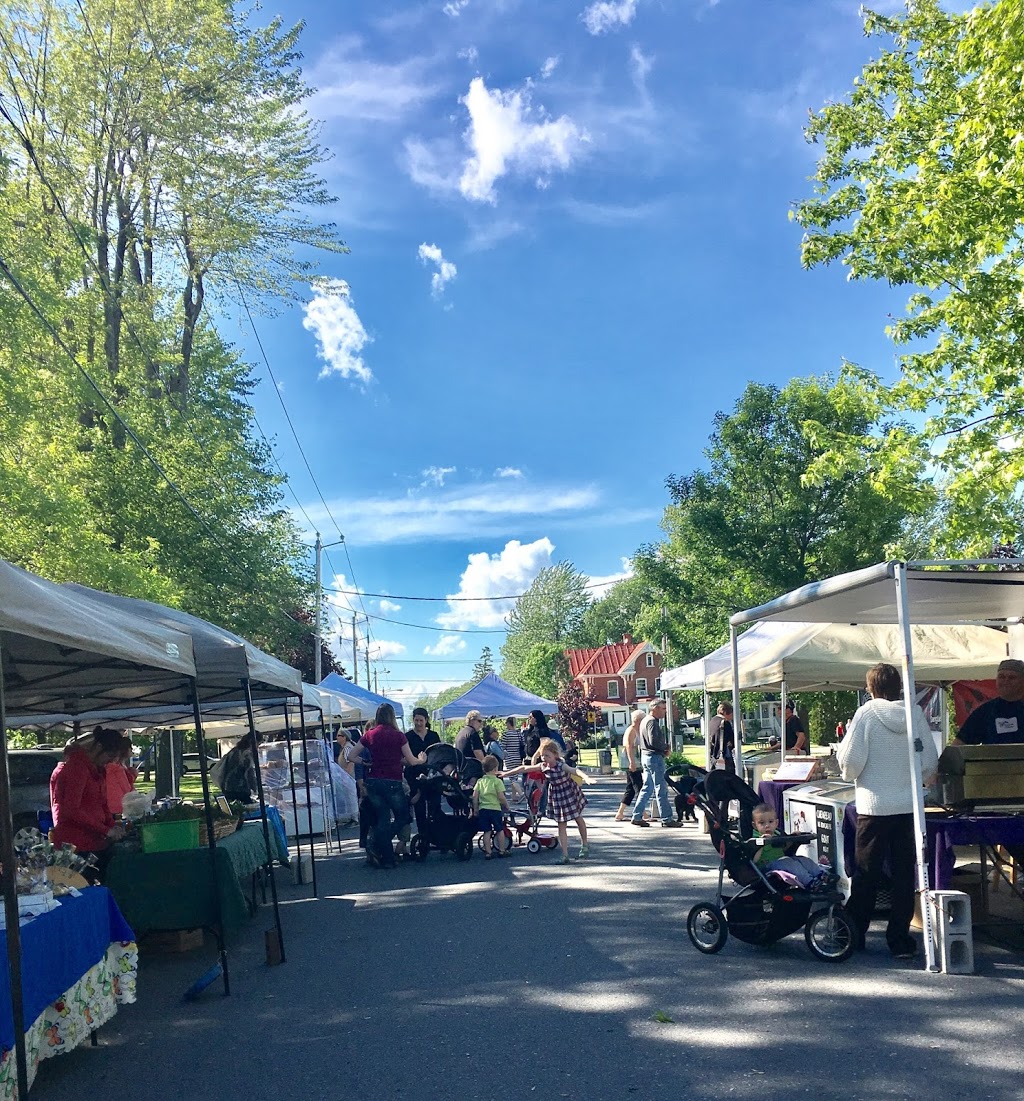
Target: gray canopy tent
903 594
232 674
62 651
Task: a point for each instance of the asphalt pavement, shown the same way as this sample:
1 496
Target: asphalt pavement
521 978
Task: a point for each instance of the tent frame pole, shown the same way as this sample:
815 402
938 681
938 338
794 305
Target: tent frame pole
247 688
309 795
737 726
211 841
10 889
909 704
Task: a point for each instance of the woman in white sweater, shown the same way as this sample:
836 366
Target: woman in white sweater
875 755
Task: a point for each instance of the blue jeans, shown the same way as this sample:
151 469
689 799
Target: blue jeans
654 786
391 808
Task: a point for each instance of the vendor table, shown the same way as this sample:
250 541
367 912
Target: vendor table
78 963
173 890
770 792
276 824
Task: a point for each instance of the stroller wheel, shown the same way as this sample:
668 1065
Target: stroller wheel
533 845
707 927
420 848
829 935
464 846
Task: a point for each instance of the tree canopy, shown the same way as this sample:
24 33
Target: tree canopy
134 187
753 524
921 184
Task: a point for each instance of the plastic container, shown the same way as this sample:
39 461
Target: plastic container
165 837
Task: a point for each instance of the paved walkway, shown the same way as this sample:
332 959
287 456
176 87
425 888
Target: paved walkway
521 978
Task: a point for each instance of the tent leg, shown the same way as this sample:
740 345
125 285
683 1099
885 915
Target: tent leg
909 704
263 818
10 890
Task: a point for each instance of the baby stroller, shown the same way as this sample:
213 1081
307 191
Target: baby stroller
766 907
440 785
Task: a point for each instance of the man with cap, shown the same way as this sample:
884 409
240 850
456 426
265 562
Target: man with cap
653 744
998 721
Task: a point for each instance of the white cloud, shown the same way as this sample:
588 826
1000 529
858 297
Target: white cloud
454 8
606 15
389 606
342 603
493 575
549 67
435 475
470 54
489 510
600 584
446 646
640 66
382 650
340 335
504 138
508 472
446 270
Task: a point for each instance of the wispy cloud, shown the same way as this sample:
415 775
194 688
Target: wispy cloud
436 475
340 335
609 15
614 215
454 8
494 575
446 646
508 472
549 66
446 270
492 509
389 606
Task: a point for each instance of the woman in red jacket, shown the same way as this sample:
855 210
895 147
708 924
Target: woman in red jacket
78 796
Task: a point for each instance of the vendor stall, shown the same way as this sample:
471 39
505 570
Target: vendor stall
173 890
80 963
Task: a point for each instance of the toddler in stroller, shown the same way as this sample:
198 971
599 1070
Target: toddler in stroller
442 784
765 908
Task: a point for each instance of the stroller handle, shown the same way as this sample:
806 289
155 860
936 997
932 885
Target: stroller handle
785 838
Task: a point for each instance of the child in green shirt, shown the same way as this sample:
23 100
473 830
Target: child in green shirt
488 803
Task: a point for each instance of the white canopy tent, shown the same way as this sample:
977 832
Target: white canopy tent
900 594
61 650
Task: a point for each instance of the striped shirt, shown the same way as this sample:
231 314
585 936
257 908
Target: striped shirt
512 744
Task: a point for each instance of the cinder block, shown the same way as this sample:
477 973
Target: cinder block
952 931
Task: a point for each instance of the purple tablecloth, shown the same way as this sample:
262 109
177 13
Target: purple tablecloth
943 834
770 792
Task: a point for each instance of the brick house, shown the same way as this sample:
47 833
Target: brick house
617 676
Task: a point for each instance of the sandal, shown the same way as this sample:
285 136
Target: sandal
488 856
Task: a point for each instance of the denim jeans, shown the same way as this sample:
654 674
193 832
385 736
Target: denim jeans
654 786
391 807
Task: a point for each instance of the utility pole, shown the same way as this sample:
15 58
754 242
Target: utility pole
375 680
355 652
669 718
317 643
366 654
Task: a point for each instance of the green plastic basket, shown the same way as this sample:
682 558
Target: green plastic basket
166 837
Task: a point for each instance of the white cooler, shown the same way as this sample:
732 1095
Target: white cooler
818 808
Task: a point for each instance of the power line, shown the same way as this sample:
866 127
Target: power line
443 630
459 599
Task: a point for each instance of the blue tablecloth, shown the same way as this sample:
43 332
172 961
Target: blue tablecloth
57 948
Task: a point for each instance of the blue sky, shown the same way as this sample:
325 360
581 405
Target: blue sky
570 247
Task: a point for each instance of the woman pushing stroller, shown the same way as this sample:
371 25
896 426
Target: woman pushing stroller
565 798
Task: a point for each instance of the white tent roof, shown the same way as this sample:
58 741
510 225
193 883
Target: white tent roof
695 674
869 596
825 657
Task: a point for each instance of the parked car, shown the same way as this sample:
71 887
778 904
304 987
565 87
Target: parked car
190 762
30 771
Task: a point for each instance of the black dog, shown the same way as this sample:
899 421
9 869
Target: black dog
683 787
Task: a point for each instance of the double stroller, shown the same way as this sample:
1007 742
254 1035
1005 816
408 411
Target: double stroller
441 786
765 907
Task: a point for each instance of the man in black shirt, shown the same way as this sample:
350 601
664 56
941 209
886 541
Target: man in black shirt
468 741
998 721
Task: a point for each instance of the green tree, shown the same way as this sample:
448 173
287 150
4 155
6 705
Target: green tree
613 615
752 525
543 670
550 611
484 665
921 184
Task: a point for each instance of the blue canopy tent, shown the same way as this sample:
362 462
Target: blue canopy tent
362 698
493 696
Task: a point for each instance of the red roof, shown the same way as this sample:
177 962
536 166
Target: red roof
603 660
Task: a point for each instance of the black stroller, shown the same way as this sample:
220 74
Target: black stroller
442 784
765 908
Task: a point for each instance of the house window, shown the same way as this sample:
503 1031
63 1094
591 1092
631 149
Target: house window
613 690
657 685
641 686
650 661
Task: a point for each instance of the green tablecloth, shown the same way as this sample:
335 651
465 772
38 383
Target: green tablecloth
174 890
